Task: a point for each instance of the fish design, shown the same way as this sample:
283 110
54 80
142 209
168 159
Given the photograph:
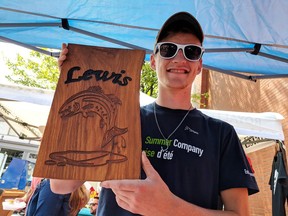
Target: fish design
91 102
84 158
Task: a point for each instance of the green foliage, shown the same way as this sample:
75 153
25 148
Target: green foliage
148 82
197 98
39 70
42 71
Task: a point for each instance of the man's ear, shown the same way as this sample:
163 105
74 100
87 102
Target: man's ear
199 66
152 61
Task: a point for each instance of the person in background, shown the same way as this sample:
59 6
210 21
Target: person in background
78 199
26 198
93 205
34 182
190 161
44 202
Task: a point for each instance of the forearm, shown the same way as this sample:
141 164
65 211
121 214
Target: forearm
61 186
183 208
27 196
235 202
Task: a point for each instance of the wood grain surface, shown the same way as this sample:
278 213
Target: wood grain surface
93 129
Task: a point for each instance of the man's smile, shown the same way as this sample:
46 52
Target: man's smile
178 71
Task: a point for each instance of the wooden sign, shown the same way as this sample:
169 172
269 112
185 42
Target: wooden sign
93 129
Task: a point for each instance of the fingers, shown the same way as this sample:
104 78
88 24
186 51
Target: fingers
125 202
120 185
64 45
63 54
124 190
123 195
127 199
130 185
19 200
147 167
64 50
122 203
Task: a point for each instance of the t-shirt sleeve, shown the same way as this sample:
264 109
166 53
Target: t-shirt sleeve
234 166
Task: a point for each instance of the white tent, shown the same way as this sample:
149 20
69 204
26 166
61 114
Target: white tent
255 130
266 125
32 106
26 108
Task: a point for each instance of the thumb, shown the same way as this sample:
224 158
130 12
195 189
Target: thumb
146 165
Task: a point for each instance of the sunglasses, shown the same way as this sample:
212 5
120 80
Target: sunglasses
168 50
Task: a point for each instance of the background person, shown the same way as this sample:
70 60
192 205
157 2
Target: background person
93 205
78 200
44 202
26 198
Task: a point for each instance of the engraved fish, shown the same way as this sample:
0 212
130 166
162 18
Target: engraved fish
84 158
93 101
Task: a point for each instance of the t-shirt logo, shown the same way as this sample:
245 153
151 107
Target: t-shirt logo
276 174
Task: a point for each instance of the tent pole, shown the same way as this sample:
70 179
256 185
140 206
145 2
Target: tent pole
273 57
217 50
251 78
53 54
81 31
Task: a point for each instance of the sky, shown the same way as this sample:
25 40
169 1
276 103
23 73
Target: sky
9 51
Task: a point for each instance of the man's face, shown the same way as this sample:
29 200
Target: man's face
93 206
177 72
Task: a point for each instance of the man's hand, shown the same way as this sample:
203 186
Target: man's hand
150 196
63 54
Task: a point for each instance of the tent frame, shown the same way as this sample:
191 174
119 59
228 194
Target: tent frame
64 23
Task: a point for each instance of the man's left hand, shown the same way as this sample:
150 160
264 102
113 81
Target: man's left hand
150 196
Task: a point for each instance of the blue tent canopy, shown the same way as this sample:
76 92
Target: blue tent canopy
246 36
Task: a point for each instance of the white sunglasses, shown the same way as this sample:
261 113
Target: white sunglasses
168 50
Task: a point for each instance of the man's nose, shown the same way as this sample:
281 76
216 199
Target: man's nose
179 56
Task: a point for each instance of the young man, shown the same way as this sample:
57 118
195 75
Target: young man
199 161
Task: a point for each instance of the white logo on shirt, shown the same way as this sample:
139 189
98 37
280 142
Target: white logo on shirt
276 174
190 130
247 172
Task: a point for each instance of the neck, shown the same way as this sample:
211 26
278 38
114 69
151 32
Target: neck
174 99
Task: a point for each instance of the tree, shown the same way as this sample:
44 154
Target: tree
42 71
148 82
39 70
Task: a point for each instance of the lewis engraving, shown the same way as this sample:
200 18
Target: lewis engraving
117 78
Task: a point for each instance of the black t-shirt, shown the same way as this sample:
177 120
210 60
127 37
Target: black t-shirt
204 157
278 185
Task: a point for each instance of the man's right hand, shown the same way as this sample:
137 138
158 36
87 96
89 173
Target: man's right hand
63 54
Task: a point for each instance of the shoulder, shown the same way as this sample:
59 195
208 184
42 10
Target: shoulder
146 110
212 125
35 181
147 107
211 120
